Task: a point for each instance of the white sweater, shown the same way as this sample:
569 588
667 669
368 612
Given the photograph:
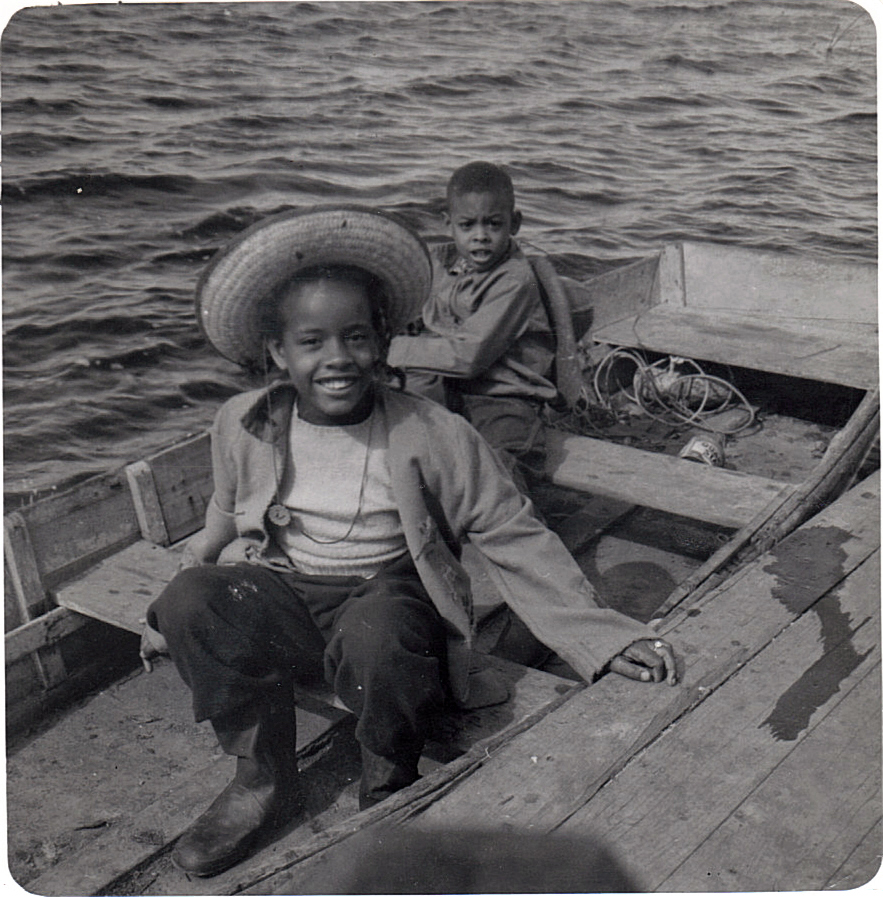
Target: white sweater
337 487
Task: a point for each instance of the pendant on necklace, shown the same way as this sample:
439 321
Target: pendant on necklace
279 515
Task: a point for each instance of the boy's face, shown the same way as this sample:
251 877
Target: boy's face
481 224
329 348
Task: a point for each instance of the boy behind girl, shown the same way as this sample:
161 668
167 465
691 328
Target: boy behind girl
485 346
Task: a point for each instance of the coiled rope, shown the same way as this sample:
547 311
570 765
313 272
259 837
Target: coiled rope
674 391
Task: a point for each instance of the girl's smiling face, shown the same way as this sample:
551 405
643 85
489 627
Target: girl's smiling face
330 349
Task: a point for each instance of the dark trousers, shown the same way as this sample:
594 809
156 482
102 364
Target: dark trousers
242 634
511 425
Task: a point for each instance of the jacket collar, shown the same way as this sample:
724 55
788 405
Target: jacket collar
269 416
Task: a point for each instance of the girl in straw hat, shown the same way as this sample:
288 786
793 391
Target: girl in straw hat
332 541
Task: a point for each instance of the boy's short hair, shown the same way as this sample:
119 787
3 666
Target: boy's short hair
481 177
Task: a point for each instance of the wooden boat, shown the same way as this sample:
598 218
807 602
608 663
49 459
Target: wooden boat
761 771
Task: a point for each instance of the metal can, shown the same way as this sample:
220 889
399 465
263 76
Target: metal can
706 449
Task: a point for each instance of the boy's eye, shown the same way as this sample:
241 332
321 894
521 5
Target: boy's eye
309 341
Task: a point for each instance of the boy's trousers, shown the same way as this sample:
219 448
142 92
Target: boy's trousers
511 425
242 634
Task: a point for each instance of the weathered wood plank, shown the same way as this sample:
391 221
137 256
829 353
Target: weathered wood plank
29 702
812 809
279 875
116 852
529 690
147 505
29 594
619 293
119 589
596 733
865 858
123 847
825 481
664 482
182 475
671 281
554 767
750 280
697 800
21 565
75 527
779 345
41 632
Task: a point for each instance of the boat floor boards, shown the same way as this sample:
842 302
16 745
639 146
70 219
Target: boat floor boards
766 659
542 773
801 725
166 770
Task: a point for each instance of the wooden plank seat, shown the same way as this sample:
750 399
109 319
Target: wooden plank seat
51 542
663 482
170 491
845 354
119 590
792 315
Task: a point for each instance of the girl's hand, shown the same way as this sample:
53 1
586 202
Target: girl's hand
189 558
647 660
152 646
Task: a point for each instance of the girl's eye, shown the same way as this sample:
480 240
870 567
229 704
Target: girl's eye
309 341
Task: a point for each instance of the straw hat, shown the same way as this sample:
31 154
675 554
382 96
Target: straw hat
264 257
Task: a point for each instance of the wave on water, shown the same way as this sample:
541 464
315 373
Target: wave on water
139 138
94 184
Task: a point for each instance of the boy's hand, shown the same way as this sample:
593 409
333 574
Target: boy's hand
647 660
152 646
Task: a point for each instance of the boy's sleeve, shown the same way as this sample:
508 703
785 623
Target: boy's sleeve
503 315
536 575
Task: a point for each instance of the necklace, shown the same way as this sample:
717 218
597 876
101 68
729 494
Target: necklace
281 515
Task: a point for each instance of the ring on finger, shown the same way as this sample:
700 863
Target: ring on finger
658 644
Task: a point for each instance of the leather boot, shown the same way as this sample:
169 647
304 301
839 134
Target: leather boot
263 795
382 776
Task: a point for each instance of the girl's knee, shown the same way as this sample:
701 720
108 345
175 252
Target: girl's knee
384 625
186 598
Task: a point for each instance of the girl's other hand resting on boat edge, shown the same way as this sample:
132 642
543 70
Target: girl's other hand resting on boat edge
153 645
648 660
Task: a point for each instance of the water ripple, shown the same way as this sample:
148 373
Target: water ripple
138 138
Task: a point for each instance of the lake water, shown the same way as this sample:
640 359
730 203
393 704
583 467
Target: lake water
139 138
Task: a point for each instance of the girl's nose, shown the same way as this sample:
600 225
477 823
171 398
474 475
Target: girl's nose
337 352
